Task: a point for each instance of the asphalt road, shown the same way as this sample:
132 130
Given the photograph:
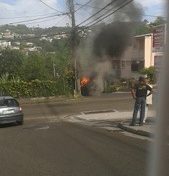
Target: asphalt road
42 147
65 149
120 102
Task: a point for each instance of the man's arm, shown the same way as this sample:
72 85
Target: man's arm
133 93
150 90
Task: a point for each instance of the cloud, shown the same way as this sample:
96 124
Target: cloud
152 4
31 9
148 3
27 8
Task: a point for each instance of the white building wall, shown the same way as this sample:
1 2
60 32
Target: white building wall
148 57
4 44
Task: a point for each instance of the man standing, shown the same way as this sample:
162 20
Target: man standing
139 93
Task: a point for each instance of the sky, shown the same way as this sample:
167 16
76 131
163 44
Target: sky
13 11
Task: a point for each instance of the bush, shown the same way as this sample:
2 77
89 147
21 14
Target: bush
112 88
150 72
35 88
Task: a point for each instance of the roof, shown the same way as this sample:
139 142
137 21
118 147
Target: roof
143 35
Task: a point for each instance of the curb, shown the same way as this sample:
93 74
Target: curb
99 111
59 100
138 132
46 100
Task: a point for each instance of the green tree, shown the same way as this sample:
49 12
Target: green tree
11 62
150 72
142 28
34 67
158 21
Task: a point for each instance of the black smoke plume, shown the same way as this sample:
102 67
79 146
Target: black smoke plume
112 40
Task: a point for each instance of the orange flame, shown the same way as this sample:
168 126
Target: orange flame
84 81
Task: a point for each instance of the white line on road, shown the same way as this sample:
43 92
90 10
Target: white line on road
43 128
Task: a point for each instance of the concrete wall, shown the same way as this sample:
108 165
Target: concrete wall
148 57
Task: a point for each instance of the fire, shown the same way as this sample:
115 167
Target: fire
84 81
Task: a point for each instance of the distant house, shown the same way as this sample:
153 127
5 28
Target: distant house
28 35
17 43
29 44
64 35
61 35
4 44
15 48
46 38
32 49
8 34
57 37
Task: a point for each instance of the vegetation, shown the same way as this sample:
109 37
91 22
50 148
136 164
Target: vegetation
36 74
34 88
23 29
11 62
146 27
49 72
150 72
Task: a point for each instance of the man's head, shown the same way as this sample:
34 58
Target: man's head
142 80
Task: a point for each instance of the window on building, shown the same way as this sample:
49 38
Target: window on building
137 66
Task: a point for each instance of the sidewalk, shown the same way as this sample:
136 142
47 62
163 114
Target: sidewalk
145 130
122 118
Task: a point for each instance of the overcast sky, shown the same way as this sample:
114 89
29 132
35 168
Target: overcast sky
12 11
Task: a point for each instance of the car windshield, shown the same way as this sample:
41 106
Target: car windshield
9 103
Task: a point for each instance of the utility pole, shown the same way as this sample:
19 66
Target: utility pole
54 70
73 43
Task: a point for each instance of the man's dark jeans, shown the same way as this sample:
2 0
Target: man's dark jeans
139 104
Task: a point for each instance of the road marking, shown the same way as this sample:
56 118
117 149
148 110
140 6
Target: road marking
43 128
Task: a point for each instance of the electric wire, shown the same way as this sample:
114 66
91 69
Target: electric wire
49 6
35 19
109 4
122 6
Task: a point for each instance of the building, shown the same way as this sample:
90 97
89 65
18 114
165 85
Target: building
17 43
4 44
32 49
146 50
142 55
29 44
8 34
44 38
138 55
121 67
15 48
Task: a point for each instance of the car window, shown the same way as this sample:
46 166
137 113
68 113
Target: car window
9 103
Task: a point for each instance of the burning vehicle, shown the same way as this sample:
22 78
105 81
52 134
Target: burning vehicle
87 85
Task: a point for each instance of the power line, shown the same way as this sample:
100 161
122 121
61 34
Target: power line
98 8
58 21
37 22
83 5
26 16
111 13
49 6
109 4
35 19
109 10
94 7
